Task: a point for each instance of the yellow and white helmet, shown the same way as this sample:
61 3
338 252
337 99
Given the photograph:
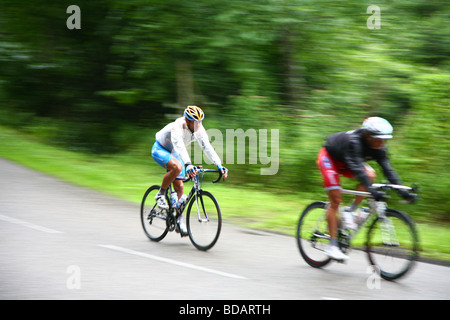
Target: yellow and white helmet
194 113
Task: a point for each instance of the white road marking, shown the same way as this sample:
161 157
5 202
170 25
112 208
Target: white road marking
28 224
174 262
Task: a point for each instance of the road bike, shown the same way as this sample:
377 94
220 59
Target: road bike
203 216
391 241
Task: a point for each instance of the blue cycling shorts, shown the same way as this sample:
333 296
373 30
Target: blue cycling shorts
162 157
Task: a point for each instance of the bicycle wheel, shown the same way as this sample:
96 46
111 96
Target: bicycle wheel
204 220
392 244
312 235
153 219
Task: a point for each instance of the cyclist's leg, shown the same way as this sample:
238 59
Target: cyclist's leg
335 199
333 188
370 172
168 161
332 185
178 184
174 168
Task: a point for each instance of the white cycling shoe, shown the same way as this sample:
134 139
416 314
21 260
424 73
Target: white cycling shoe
182 226
161 201
335 253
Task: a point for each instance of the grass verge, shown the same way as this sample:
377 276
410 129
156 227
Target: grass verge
127 176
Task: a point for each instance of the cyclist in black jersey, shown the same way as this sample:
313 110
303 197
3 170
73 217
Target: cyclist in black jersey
346 153
354 148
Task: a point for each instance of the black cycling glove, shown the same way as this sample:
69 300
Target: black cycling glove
409 197
377 195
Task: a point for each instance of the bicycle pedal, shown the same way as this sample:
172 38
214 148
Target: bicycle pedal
391 244
182 234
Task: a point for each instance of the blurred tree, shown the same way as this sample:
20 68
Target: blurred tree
307 67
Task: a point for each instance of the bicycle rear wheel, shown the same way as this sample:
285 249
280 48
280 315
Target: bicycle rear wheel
204 220
153 219
392 244
312 235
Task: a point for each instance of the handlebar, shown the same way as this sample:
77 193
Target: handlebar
214 170
383 187
410 194
200 169
387 186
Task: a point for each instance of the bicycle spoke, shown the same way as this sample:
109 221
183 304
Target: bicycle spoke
153 219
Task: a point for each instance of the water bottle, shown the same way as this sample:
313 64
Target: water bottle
361 215
347 218
173 198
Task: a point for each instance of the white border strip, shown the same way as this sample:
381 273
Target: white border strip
174 262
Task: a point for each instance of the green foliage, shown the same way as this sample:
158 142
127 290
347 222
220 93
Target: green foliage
308 68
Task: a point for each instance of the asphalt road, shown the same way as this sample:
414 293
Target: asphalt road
59 241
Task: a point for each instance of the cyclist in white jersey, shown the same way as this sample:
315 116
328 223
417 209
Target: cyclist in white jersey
169 151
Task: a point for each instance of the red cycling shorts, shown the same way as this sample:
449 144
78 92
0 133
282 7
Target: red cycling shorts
331 169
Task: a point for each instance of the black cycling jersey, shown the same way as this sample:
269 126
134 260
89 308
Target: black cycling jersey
351 148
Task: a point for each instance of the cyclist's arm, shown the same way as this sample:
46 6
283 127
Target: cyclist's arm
178 143
392 176
387 168
355 163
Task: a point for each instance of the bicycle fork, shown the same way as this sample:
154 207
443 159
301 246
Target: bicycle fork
388 234
200 218
197 196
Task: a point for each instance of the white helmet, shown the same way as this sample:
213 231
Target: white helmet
378 127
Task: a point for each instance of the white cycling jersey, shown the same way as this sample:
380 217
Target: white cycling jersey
176 136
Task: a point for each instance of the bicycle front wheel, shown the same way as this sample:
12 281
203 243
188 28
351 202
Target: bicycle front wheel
153 219
313 236
392 244
204 220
